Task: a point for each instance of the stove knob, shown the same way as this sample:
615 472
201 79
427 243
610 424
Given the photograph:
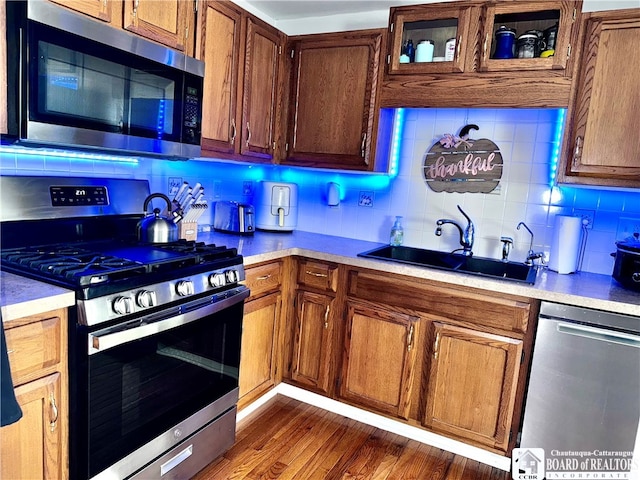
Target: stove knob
146 298
232 276
217 280
122 305
184 288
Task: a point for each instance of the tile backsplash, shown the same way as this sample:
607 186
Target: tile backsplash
527 139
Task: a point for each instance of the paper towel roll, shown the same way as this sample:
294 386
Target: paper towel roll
565 244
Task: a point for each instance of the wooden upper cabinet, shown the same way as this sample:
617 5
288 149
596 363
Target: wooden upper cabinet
242 83
219 45
332 100
263 48
600 146
525 16
472 384
379 357
100 9
164 21
437 24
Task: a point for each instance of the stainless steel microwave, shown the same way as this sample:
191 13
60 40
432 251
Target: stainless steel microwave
74 82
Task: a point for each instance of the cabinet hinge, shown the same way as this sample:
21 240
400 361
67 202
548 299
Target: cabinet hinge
195 6
391 28
273 146
286 147
510 435
293 51
388 59
575 14
569 51
279 49
522 357
186 32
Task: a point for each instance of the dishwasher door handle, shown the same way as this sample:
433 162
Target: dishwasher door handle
599 334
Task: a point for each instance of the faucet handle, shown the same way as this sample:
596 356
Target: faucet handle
507 242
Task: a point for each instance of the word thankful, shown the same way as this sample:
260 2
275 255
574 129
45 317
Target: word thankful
470 166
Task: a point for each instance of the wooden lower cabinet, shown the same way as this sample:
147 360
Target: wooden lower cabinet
379 358
312 340
32 447
35 447
472 384
259 353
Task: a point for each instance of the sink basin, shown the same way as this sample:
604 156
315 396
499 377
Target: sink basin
487 267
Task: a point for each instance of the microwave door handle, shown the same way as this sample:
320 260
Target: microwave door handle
103 340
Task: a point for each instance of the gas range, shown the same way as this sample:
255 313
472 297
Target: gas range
155 333
117 278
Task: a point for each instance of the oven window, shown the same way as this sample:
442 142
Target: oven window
143 388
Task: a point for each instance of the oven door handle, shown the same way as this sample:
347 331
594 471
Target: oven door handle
103 340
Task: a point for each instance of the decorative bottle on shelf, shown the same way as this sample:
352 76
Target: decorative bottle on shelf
397 233
410 51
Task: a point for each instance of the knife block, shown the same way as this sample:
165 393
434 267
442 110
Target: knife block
188 230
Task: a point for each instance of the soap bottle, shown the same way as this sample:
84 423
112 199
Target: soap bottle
397 233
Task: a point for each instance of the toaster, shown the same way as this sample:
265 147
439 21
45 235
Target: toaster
234 217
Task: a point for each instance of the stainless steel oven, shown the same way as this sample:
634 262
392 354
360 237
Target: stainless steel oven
154 387
154 337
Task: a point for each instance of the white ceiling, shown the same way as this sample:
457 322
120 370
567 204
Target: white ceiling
292 9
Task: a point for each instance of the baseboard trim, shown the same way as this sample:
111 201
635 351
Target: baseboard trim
379 421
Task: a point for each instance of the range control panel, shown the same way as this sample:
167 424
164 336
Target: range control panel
72 196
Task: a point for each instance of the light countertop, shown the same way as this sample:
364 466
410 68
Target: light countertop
20 296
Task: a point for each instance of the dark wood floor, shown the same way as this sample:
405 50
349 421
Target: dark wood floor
287 439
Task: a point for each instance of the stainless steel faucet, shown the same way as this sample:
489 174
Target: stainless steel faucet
531 255
466 235
507 242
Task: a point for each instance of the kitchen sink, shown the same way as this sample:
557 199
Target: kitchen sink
486 267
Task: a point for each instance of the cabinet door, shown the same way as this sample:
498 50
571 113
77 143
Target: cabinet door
526 16
434 23
472 384
258 353
601 146
100 9
164 21
262 54
379 358
332 101
220 47
312 340
33 446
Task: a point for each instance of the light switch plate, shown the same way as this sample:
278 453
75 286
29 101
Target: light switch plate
586 215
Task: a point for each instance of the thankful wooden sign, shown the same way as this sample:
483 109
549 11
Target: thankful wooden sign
463 165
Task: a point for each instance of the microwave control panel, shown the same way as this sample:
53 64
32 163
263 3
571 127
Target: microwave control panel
192 115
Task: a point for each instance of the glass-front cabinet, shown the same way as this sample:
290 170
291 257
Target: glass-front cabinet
528 35
428 39
483 36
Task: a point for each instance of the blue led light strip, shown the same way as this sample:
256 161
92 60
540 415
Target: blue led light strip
557 142
67 154
396 142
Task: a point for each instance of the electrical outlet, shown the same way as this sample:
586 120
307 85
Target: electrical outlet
247 188
586 215
365 199
217 189
174 185
628 227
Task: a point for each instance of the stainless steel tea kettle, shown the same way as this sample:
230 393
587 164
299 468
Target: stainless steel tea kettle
154 228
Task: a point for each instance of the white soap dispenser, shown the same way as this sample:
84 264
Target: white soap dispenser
397 233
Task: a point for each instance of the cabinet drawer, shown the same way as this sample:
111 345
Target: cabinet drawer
468 306
33 347
264 278
319 275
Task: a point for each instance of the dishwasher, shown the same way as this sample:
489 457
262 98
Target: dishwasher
584 387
